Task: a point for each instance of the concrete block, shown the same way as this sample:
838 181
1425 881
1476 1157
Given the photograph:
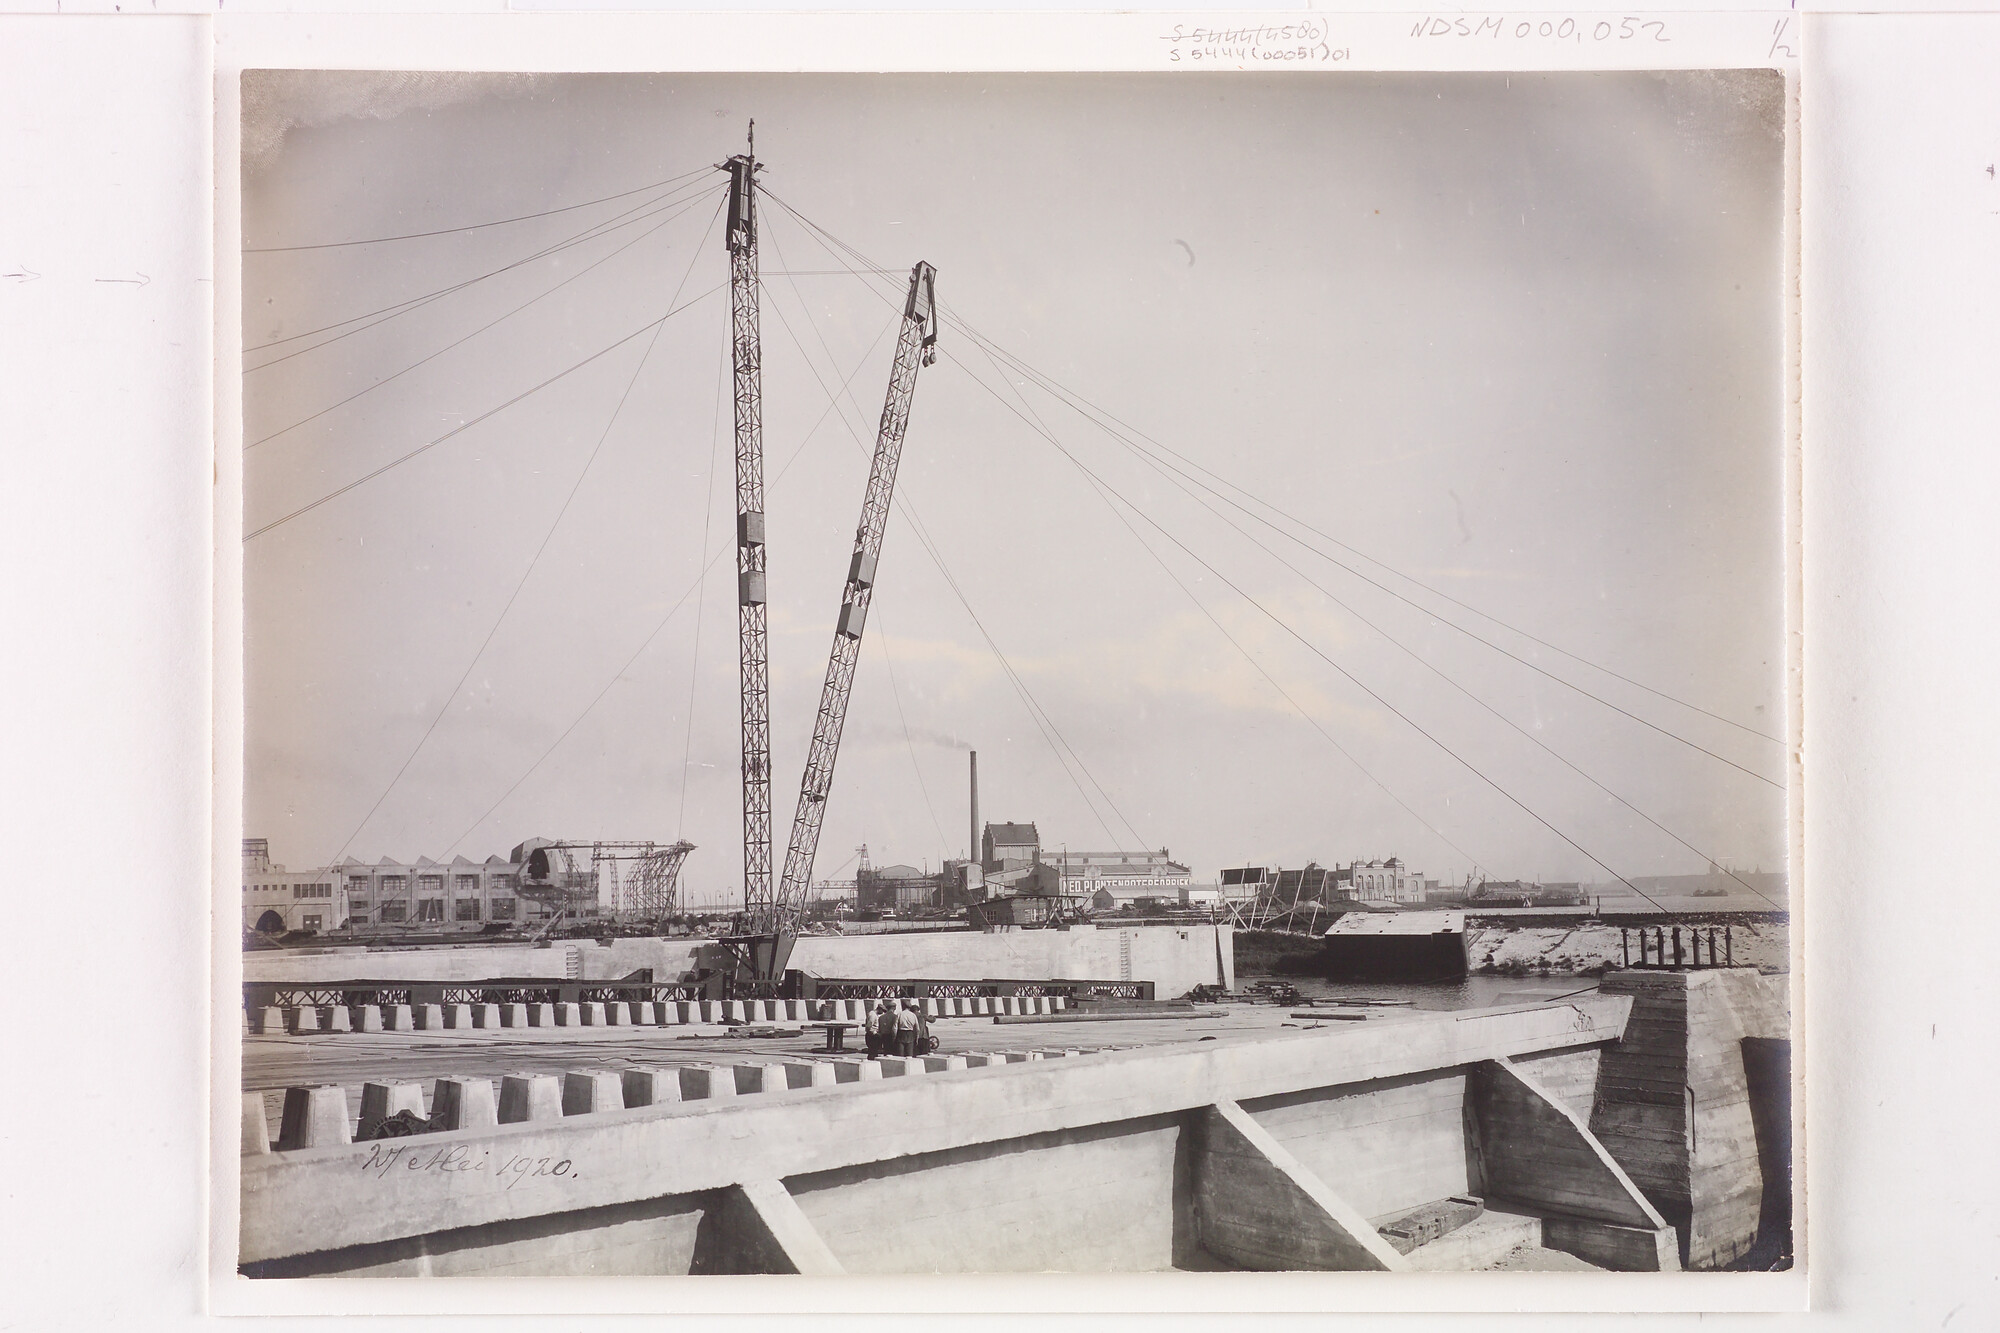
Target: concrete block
795 1010
931 1007
430 1017
760 1077
365 1017
759 1011
458 1017
672 1012
644 1013
313 1118
1619 1248
592 1014
938 1064
982 1059
651 1087
711 1011
1059 1054
304 1018
1058 1003
706 1082
982 1005
896 1066
463 1103
399 1018
1045 1004
586 1091
810 1074
735 1011
333 1018
256 1128
526 1097
485 1015
268 1021
379 1101
541 1015
569 1015
857 1071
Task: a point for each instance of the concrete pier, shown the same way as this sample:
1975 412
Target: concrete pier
1686 1106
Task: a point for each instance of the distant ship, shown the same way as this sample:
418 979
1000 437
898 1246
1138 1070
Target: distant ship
1395 946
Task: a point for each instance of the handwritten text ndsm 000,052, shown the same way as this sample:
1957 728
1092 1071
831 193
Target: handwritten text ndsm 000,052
513 1168
1626 29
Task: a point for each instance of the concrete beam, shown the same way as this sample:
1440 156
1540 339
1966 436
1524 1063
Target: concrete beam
759 1229
315 1199
1258 1206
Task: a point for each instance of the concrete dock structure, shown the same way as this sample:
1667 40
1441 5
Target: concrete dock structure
1273 1148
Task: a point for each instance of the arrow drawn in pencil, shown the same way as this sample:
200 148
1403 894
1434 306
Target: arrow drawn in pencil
139 281
25 275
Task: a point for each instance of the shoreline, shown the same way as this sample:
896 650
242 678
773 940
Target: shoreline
1587 948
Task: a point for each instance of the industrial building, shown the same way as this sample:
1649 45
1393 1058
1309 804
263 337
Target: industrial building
1386 882
1110 880
276 900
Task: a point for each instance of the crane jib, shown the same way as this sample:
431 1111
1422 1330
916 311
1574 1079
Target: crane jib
915 347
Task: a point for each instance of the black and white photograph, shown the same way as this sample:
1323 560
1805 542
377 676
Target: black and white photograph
1032 673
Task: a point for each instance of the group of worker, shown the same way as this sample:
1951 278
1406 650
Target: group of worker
897 1027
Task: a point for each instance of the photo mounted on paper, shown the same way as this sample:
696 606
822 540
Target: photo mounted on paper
1321 538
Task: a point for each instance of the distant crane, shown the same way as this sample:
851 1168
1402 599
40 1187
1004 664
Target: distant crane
648 891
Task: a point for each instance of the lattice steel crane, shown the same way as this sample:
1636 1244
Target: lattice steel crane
916 346
746 355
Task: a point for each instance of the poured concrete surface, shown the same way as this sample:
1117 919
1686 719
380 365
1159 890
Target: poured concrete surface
276 1061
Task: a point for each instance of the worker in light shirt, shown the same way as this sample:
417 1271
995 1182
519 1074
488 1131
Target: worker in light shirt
907 1022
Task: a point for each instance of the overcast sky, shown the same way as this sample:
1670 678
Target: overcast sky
1516 337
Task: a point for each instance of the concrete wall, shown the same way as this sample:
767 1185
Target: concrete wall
668 958
1174 958
1096 1200
1386 1147
652 1238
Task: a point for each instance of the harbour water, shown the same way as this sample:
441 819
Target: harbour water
1473 992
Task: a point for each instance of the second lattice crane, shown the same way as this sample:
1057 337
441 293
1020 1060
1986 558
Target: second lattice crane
916 346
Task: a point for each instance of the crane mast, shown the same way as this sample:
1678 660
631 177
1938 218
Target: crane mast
915 347
753 643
